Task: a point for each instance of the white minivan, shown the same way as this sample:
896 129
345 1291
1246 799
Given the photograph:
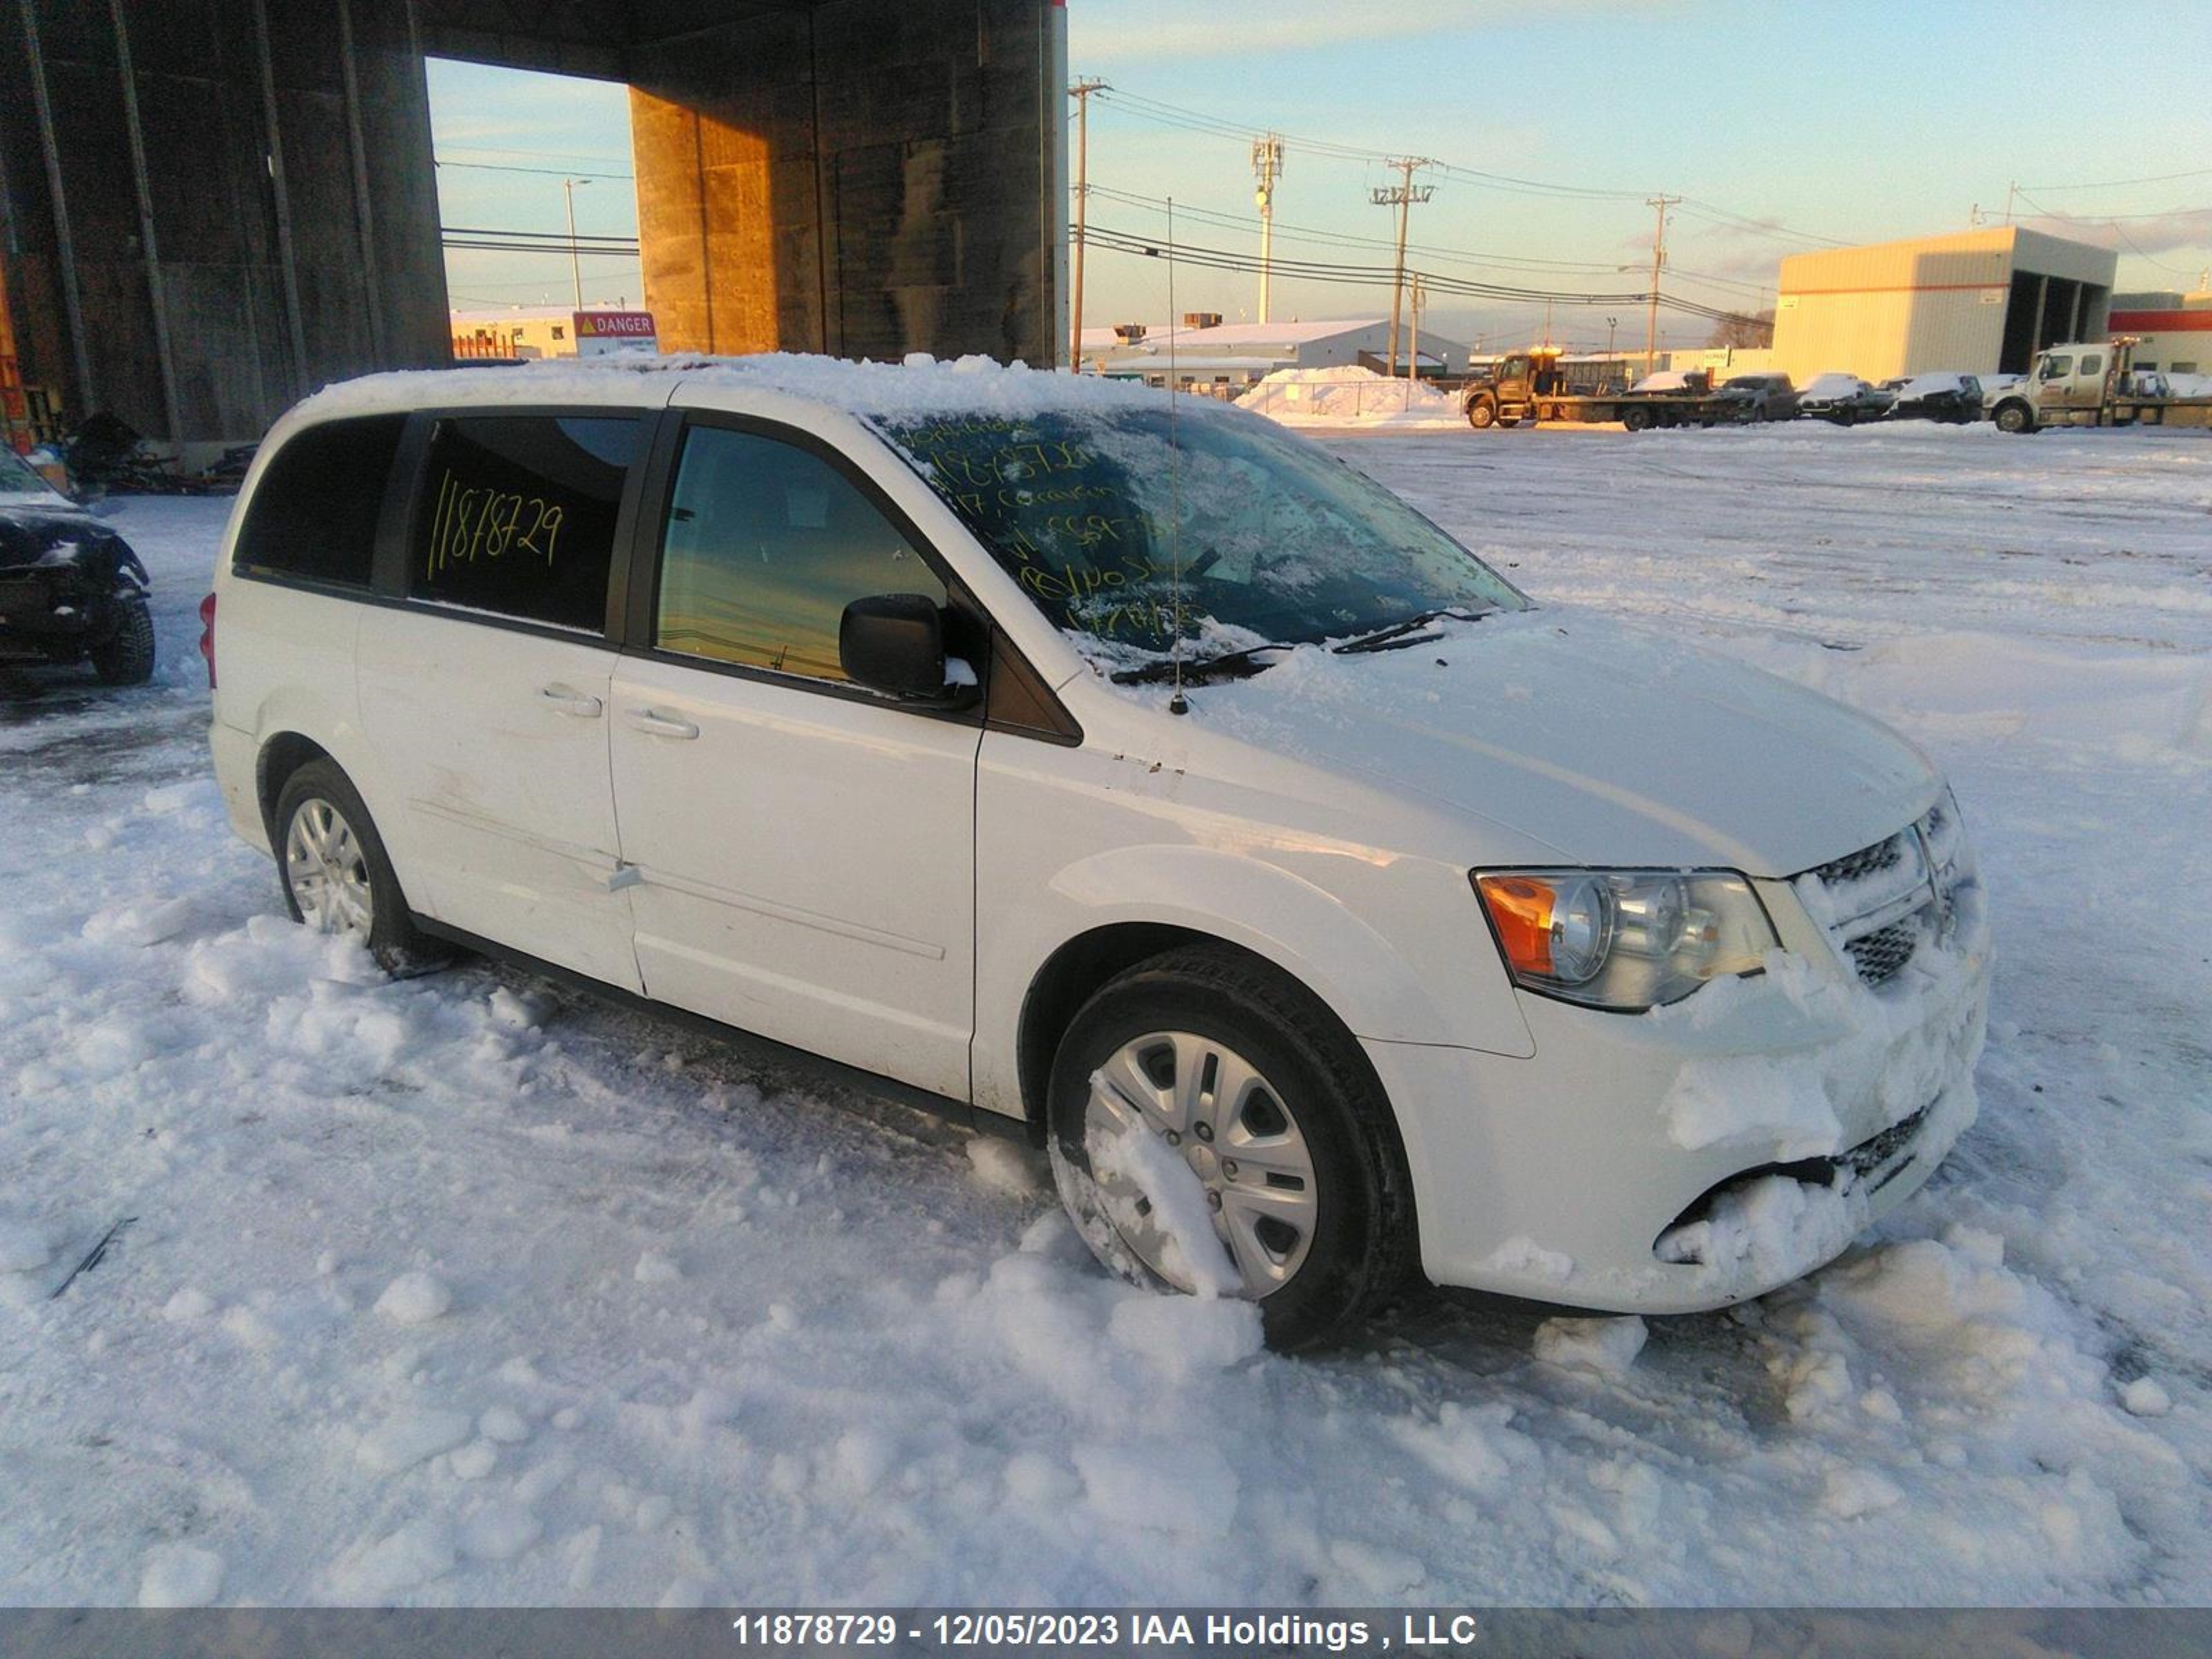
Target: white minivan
1120 770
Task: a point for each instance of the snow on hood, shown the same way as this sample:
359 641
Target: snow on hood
1921 386
1609 743
1832 386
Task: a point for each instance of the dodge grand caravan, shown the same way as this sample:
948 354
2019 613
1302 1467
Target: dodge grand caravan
1123 771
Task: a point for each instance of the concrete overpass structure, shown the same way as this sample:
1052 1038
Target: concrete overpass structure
209 208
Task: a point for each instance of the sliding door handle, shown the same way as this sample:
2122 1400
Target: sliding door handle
660 725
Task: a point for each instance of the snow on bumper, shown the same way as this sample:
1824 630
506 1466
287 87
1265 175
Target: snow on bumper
1703 1153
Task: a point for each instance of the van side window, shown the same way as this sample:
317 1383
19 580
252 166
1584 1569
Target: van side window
517 515
313 516
765 545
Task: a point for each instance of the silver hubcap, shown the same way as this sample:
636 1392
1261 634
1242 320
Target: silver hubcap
328 873
1212 1109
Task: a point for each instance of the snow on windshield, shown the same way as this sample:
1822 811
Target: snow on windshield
1832 385
1133 527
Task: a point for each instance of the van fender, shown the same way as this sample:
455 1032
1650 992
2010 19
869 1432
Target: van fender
1459 997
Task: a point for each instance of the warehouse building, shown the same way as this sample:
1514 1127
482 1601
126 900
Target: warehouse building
1224 357
1981 303
2175 329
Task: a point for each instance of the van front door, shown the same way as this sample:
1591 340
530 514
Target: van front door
804 849
484 691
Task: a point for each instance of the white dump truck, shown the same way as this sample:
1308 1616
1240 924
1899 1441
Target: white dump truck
2093 384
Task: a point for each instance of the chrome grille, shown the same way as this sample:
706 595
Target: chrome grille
1867 861
1880 955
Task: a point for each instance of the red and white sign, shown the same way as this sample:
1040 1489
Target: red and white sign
604 333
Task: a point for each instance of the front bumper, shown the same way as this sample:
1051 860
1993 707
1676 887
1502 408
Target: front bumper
1700 1154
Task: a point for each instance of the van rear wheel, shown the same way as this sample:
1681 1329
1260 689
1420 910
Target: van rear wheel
1213 1133
338 879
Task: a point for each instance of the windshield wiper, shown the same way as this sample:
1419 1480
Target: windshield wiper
1229 665
1396 636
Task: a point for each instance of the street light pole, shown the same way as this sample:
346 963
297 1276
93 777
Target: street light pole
1080 92
575 265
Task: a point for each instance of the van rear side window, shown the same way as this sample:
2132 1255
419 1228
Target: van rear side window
517 516
314 514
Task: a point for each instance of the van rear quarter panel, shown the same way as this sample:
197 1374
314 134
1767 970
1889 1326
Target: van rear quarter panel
284 662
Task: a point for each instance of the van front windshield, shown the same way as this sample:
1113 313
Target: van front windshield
1233 531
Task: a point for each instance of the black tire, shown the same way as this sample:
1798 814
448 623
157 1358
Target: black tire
127 656
1481 414
2013 417
1635 418
1361 1245
399 947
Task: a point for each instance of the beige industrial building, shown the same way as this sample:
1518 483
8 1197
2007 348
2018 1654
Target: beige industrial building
1981 303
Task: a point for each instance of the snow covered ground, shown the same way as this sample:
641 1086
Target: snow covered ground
463 1290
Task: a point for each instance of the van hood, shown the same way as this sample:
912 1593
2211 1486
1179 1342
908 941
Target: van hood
1607 743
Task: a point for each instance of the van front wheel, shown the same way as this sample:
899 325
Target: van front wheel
1213 1133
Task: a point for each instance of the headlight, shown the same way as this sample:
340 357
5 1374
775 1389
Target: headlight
1626 940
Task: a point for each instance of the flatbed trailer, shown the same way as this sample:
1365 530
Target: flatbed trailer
1638 411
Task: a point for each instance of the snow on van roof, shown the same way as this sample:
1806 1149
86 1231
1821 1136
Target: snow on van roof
921 384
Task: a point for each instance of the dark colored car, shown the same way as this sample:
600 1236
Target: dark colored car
1954 397
1844 399
70 588
1758 397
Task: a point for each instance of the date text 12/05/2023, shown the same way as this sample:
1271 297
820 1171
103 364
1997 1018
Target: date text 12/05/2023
1189 1632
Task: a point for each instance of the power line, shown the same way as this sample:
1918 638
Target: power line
2073 219
1474 259
2115 184
1377 276
550 173
1198 121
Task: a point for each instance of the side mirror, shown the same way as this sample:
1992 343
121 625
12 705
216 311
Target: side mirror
894 642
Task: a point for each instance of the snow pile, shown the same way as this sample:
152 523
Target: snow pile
1351 395
1609 1346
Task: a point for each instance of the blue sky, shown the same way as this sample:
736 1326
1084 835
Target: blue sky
1856 120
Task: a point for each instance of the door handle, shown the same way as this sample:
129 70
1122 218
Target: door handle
566 700
661 725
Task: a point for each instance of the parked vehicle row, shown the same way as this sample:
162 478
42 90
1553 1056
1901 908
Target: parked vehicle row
1524 388
1152 784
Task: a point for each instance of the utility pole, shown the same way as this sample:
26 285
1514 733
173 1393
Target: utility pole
1414 348
2011 191
1658 260
1080 92
1267 168
1401 196
575 265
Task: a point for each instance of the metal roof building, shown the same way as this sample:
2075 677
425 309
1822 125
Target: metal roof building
1981 301
1211 353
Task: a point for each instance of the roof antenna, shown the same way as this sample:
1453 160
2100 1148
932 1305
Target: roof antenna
1177 704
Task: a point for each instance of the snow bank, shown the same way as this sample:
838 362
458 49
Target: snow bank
1351 395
